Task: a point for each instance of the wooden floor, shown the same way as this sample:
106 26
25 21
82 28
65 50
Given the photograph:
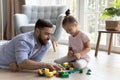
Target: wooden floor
104 67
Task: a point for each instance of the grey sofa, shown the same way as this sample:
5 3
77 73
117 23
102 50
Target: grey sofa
30 13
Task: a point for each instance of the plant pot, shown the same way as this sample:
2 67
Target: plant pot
112 25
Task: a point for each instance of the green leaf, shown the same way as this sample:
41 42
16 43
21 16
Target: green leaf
118 12
116 3
111 11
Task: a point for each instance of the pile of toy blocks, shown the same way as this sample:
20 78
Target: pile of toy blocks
64 72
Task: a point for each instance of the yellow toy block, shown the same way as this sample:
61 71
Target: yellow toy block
66 64
46 70
71 68
54 71
40 71
49 74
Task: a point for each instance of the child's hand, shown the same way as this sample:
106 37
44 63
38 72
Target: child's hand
70 53
77 55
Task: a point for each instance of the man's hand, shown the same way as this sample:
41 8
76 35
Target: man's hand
52 66
13 66
49 66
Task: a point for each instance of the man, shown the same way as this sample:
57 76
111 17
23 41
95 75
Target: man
26 50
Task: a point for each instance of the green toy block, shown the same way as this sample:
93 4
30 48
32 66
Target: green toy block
64 74
89 70
80 71
88 73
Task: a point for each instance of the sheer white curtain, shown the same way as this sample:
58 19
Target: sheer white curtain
45 2
1 20
32 2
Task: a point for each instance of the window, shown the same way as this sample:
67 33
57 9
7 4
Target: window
93 23
72 5
87 12
45 2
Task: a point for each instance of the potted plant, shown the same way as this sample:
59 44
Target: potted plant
113 13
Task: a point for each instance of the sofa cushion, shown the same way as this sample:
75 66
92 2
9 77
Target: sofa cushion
30 27
50 13
27 28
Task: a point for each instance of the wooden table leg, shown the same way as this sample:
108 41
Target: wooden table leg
54 45
110 43
97 46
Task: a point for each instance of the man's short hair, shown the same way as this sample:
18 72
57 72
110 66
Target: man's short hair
42 23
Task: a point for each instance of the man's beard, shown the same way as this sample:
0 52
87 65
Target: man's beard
42 42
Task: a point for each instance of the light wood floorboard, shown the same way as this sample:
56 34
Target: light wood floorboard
104 67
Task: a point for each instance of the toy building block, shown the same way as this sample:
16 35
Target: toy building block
76 70
65 64
64 74
71 68
54 72
49 74
88 72
67 68
57 75
73 71
80 71
46 70
40 72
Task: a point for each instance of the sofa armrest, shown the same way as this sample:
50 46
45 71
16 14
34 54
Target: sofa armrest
59 28
20 19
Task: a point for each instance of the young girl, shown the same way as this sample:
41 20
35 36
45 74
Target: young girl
79 43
